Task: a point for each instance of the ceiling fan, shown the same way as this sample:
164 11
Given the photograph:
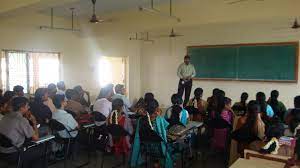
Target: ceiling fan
94 18
172 34
231 2
296 24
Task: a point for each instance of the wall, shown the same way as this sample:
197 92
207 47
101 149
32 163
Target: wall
80 52
161 59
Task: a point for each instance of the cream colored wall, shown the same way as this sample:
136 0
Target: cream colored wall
80 53
160 60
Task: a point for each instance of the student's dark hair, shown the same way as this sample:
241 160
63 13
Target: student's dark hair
295 121
60 84
276 129
8 95
176 99
19 102
297 102
148 97
227 100
70 93
198 92
105 91
151 106
117 103
51 86
18 88
274 102
119 88
175 115
252 114
57 100
39 94
215 91
187 57
78 88
221 92
244 96
220 102
261 100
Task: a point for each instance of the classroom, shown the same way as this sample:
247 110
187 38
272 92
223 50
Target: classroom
149 83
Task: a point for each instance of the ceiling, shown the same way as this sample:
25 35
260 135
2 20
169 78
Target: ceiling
84 7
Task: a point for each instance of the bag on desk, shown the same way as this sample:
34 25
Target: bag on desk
287 146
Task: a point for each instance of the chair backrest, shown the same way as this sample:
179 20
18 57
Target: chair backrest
56 126
5 141
97 116
220 130
151 143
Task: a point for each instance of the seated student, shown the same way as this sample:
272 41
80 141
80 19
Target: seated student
120 94
41 112
277 106
266 109
82 93
240 108
52 90
151 121
18 128
103 103
61 88
1 93
176 111
6 101
19 90
63 117
73 102
211 102
197 107
223 112
117 116
250 127
292 113
51 93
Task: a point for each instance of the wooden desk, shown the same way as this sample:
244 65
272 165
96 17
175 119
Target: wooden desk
257 163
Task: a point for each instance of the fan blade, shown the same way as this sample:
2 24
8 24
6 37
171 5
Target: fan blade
234 2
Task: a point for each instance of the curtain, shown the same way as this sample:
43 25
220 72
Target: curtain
29 69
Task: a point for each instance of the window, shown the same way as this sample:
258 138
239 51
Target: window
29 69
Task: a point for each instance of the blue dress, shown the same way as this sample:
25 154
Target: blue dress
160 127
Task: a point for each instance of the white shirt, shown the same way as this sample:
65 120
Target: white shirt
103 106
60 92
68 121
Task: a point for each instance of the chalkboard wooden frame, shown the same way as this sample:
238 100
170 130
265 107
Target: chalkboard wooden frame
295 43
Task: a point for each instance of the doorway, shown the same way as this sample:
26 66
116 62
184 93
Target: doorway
112 70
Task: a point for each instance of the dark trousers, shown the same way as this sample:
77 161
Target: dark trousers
185 87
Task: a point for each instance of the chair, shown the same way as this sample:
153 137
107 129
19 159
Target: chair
7 143
151 146
56 127
117 132
219 129
100 140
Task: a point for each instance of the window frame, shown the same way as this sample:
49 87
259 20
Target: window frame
5 53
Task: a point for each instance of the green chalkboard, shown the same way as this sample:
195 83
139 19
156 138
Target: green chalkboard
262 62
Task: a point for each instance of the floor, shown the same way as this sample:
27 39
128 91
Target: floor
111 161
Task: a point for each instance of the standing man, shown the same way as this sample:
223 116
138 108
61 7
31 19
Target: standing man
185 72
